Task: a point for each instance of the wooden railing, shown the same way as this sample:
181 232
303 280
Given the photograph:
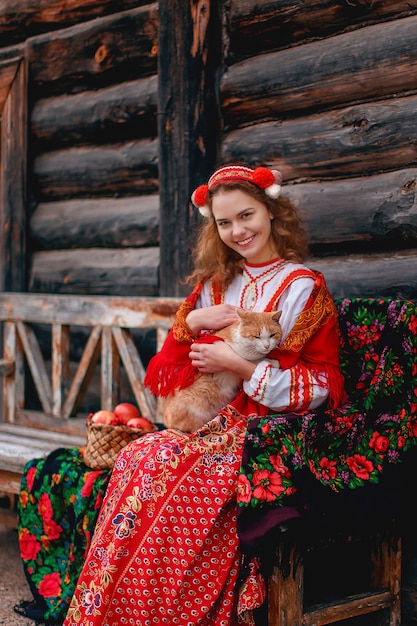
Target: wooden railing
108 323
43 388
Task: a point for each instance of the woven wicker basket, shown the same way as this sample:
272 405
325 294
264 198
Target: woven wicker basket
104 442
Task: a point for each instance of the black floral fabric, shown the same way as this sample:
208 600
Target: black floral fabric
59 502
343 450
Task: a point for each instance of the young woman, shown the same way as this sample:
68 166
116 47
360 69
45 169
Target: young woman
166 548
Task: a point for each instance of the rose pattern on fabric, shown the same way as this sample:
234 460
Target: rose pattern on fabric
59 501
346 447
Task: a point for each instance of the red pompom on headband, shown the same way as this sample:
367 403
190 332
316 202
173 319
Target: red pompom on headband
268 180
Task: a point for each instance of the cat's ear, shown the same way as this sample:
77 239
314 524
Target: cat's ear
242 314
276 316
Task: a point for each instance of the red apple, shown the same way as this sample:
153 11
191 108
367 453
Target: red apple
141 422
104 417
125 411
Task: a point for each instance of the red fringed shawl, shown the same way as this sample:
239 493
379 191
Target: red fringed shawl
314 341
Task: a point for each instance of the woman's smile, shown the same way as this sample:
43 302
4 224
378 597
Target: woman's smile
245 242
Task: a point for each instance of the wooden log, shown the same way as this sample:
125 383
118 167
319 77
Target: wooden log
120 169
116 113
354 66
188 124
377 210
98 52
131 271
256 27
105 222
360 140
371 276
24 19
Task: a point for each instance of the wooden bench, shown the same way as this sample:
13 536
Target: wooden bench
44 385
44 372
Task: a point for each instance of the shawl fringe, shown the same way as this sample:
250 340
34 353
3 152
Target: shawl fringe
171 368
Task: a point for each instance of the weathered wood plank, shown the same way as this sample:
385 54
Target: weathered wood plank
20 444
37 366
126 312
12 354
38 421
84 373
390 275
116 113
356 141
60 357
8 70
9 483
257 26
122 169
95 53
110 368
188 124
355 66
353 606
24 19
13 175
107 222
134 370
96 271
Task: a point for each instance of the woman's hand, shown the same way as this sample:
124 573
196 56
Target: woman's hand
209 358
211 317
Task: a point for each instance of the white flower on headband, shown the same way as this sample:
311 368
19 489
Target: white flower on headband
262 177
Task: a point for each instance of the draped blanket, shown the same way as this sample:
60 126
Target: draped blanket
58 506
294 465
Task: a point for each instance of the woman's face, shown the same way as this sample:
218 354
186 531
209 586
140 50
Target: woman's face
244 225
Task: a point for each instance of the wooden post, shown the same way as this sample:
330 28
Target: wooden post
13 156
188 125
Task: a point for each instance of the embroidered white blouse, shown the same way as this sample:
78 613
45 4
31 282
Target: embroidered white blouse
280 390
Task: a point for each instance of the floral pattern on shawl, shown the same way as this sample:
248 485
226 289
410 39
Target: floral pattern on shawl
59 502
346 447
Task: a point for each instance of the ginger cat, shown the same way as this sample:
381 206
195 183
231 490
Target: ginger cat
252 336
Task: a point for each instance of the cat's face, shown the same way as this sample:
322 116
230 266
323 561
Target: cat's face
259 332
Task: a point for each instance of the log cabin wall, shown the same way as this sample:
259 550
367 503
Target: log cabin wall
325 91
92 211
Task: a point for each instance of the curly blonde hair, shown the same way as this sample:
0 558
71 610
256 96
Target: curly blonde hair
212 257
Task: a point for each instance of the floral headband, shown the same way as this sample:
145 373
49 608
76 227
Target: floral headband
262 177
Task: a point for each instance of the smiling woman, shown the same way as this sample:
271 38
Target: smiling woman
170 507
